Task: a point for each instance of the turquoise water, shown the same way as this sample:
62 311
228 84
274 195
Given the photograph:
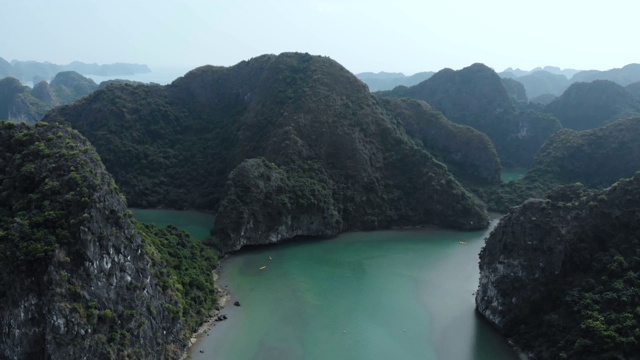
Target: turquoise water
367 295
512 174
196 223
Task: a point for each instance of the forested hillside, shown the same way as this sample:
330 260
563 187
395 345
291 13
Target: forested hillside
477 97
559 276
281 146
596 158
79 278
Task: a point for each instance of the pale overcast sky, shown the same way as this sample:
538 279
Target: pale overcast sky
397 36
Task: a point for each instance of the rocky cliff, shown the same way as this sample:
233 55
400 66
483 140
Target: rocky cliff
21 104
17 104
468 153
560 275
70 86
476 96
279 146
78 279
595 158
585 106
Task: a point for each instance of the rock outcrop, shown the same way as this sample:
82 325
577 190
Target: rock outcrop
595 158
266 204
468 153
559 276
585 106
280 146
78 280
17 104
20 103
476 96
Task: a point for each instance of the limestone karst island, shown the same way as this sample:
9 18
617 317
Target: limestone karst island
285 208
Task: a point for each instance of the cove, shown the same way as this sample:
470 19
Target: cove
196 223
398 294
512 174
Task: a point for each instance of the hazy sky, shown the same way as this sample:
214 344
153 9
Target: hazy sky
401 35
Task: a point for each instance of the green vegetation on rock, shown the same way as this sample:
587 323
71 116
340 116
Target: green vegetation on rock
183 268
515 89
69 86
78 278
468 153
311 128
477 97
595 158
17 104
591 105
560 276
21 104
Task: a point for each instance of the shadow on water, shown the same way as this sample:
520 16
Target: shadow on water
488 342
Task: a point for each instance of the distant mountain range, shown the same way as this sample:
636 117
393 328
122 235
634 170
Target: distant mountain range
295 146
476 96
541 84
547 81
34 71
284 146
21 103
589 105
387 81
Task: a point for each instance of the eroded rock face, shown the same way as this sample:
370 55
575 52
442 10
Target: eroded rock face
559 276
526 247
468 153
266 205
477 97
76 282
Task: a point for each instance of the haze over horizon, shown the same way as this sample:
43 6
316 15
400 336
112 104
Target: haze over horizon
408 37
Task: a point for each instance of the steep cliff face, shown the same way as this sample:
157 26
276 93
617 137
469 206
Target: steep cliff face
77 279
515 89
560 276
70 86
17 104
585 106
468 153
44 93
526 248
266 204
477 97
323 138
21 104
595 158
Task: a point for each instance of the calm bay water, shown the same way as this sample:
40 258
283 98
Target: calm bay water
158 75
367 295
512 174
196 223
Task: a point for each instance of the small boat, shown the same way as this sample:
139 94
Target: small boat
462 242
262 267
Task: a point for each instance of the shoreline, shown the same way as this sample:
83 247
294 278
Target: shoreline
209 323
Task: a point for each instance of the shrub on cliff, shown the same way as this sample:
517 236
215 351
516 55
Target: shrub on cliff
180 145
78 278
561 276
